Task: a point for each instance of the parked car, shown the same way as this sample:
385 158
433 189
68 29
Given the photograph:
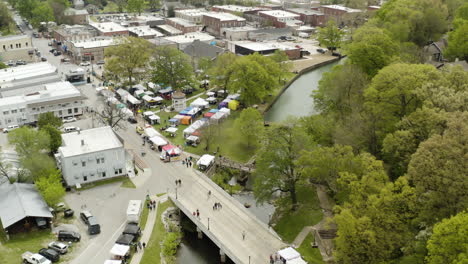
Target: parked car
41 222
32 258
132 120
85 63
68 213
321 51
50 43
11 63
68 236
50 254
69 119
66 60
101 62
20 62
52 50
91 222
336 54
43 59
70 129
59 247
57 53
10 128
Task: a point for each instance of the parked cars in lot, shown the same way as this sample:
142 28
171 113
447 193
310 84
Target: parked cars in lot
43 59
85 63
93 227
59 247
69 119
68 213
132 120
321 51
68 236
10 128
50 254
32 258
70 129
20 62
11 63
101 62
57 53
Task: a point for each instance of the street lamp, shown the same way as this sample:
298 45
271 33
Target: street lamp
232 182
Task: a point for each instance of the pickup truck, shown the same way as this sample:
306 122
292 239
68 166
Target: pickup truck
32 258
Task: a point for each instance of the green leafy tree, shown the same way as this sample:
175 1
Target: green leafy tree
121 5
221 71
457 40
340 91
49 118
277 168
28 141
372 49
6 21
58 8
374 229
55 136
449 241
330 36
282 59
3 65
42 13
250 126
129 60
26 7
136 6
37 165
254 77
172 67
391 95
153 4
438 171
50 187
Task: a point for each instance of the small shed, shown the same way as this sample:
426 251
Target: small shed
205 161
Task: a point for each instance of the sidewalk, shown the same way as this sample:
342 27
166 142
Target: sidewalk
146 233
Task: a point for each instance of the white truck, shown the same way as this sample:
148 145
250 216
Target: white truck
32 258
134 211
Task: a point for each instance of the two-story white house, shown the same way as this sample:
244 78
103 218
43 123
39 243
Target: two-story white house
91 155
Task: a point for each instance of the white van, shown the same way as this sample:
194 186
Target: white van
134 211
10 128
70 129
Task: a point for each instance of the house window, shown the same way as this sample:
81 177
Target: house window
117 171
76 110
83 163
69 111
102 174
99 160
6 112
85 178
22 110
14 111
60 112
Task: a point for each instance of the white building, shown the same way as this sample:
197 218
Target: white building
144 32
61 98
183 41
193 15
16 47
91 155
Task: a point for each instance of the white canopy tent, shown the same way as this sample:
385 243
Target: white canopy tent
120 250
210 93
199 102
194 127
133 100
296 261
289 253
158 141
205 161
172 130
210 99
193 138
154 118
225 110
151 132
148 113
127 111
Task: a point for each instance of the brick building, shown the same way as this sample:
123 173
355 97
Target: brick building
73 33
281 19
192 15
337 12
183 25
309 17
75 16
215 21
110 29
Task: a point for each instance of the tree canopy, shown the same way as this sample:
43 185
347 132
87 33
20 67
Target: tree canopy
250 126
330 36
172 67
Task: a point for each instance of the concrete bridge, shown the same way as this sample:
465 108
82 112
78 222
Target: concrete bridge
235 230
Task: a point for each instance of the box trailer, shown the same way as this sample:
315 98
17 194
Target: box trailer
134 211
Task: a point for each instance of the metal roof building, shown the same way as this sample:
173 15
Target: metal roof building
21 200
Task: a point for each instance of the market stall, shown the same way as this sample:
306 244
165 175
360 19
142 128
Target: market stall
205 162
172 131
208 115
200 103
192 140
170 153
120 251
158 141
211 100
154 119
186 120
174 122
233 104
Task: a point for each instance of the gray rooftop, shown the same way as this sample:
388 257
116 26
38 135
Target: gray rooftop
202 49
21 200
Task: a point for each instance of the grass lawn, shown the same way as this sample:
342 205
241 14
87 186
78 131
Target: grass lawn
290 223
144 216
153 248
308 253
226 138
126 183
10 251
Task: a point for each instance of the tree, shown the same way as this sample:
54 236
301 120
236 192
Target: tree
375 229
49 118
221 71
42 13
112 116
250 126
3 65
129 59
136 6
55 136
50 187
121 4
6 21
28 141
36 166
358 4
208 134
330 36
277 168
172 67
282 59
340 91
449 241
58 8
372 49
457 40
254 77
438 171
391 95
26 7
154 4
